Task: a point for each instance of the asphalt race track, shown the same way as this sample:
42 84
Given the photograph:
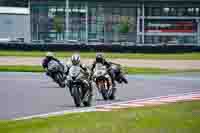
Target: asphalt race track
24 94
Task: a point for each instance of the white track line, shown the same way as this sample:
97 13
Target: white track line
98 107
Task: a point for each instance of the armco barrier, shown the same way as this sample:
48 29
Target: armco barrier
99 48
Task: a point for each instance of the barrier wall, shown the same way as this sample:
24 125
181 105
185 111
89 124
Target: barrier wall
99 48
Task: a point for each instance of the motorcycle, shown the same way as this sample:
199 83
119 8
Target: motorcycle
118 74
104 82
55 71
79 88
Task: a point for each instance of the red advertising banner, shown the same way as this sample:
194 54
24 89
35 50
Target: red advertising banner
171 26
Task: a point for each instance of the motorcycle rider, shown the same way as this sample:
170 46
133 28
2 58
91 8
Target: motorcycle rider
113 74
75 61
50 57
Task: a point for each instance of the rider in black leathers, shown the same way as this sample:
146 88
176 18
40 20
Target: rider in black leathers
113 74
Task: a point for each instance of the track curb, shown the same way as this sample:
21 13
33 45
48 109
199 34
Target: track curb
154 101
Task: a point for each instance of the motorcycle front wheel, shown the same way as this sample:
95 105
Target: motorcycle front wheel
112 95
60 81
76 96
104 94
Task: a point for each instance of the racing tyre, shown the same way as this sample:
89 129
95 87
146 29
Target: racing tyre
87 103
76 97
104 94
112 96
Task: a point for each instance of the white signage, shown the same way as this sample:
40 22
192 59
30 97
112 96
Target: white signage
159 25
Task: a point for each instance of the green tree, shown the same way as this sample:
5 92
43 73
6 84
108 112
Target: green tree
127 24
58 24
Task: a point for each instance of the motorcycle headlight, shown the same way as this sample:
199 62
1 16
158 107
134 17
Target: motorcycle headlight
107 76
99 73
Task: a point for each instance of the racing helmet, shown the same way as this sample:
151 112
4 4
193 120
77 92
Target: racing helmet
75 59
99 58
49 54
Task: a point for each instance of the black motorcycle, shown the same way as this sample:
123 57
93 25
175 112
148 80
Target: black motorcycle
116 70
56 72
104 82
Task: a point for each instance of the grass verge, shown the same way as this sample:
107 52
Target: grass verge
176 56
127 70
183 117
21 69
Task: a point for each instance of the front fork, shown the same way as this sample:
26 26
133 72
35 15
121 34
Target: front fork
107 83
85 89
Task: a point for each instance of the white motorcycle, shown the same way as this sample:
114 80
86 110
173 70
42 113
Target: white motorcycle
104 82
79 88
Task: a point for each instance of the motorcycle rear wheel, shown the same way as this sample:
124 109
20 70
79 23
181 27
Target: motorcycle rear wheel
89 99
88 103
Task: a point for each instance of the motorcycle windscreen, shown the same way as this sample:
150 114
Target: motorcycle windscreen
53 65
74 71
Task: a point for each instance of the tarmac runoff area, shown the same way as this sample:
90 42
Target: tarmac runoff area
29 95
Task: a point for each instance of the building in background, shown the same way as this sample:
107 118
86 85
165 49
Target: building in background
172 21
134 21
14 3
14 20
15 24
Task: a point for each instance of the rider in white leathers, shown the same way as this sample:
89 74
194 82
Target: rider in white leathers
75 61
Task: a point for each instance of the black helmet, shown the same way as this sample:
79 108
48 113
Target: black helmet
99 58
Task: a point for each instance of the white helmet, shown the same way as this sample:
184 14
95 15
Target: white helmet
75 59
49 54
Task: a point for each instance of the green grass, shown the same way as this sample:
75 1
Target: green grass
131 70
183 117
21 69
177 56
127 70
